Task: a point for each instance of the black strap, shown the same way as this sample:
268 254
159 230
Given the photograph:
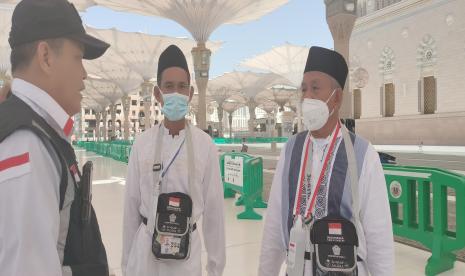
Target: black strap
144 220
308 257
22 116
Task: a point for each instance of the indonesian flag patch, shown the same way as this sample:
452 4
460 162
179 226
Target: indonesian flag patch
174 201
74 170
335 229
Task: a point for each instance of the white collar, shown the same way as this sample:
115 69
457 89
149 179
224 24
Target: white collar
42 103
323 141
166 131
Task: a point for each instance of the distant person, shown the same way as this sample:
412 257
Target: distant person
244 148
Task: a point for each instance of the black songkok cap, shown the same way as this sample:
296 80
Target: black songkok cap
171 57
329 62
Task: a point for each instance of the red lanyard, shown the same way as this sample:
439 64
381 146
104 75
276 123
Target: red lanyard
320 179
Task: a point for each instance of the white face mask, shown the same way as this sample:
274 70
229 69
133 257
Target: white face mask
316 113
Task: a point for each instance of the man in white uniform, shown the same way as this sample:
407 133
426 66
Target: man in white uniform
189 164
313 181
41 228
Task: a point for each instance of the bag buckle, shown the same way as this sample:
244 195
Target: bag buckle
157 167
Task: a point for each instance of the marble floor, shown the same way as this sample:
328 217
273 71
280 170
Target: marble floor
242 237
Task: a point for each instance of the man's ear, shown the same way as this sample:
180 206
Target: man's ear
44 56
157 95
339 94
191 93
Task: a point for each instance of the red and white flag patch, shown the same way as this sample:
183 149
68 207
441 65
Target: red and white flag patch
74 170
335 229
174 201
14 166
14 161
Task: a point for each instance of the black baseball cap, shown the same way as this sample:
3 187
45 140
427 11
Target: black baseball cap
35 20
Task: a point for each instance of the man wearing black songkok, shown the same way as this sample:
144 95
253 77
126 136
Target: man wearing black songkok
324 173
189 165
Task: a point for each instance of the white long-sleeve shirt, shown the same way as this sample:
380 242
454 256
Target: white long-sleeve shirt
138 258
29 192
377 247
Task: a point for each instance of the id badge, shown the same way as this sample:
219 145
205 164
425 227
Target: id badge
170 245
296 249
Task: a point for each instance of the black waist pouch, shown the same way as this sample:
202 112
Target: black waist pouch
172 234
335 241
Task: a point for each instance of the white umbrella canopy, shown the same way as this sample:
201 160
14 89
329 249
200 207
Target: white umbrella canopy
250 83
264 96
220 91
95 100
111 68
200 18
88 102
139 52
280 94
287 61
232 104
104 88
269 106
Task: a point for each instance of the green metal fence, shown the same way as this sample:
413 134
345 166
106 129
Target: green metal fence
118 150
422 201
242 173
250 140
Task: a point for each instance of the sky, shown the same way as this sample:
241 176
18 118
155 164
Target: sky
299 22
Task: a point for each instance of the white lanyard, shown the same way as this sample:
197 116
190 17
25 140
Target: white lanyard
158 172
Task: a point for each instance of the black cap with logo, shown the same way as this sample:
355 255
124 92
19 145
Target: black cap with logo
35 20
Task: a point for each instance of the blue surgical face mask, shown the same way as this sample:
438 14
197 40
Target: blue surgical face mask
175 106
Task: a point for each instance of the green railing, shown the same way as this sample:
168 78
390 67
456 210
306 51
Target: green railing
421 201
250 140
118 150
243 174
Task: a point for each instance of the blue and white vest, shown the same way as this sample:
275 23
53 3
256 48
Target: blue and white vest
339 190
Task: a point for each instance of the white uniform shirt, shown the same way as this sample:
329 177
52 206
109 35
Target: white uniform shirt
29 192
138 258
377 247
